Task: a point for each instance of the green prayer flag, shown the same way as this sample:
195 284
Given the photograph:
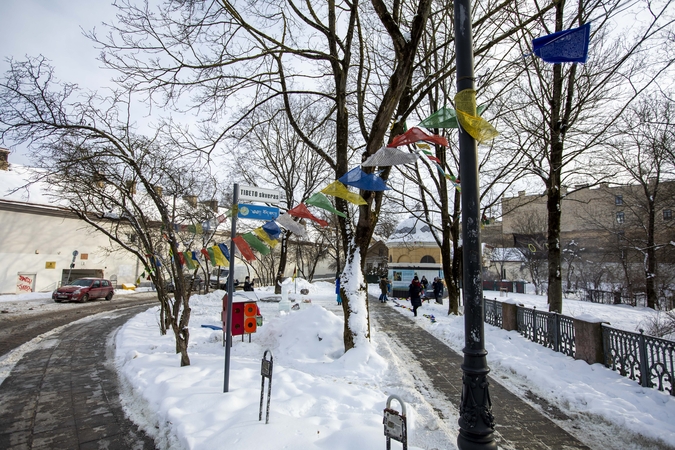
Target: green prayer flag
321 201
445 118
256 244
188 260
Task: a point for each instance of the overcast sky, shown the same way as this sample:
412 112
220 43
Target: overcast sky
53 28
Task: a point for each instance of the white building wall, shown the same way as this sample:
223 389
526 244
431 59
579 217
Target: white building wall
36 236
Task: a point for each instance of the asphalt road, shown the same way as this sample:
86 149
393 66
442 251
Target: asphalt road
64 393
17 328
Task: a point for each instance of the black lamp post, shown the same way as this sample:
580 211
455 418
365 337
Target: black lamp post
475 421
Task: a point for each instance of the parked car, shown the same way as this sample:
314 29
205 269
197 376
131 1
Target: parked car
84 289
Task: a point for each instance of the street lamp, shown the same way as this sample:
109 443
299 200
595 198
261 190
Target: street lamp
476 422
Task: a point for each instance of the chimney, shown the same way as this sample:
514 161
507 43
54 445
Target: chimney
191 200
4 159
158 190
212 204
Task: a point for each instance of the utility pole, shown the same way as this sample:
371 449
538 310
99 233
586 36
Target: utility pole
476 422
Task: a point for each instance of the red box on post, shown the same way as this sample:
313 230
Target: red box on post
243 316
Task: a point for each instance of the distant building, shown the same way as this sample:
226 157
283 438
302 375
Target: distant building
40 240
413 250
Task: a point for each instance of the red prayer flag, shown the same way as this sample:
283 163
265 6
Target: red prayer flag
434 159
181 258
415 135
244 248
302 211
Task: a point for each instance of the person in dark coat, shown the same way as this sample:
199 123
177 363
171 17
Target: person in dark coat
415 292
248 284
437 285
337 289
384 287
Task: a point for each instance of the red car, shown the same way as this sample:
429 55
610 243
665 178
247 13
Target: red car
84 289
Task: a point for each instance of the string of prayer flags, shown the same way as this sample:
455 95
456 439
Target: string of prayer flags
337 189
564 46
321 201
479 128
362 180
389 156
444 118
218 256
244 248
291 225
272 229
302 211
224 250
181 258
415 135
256 244
431 156
263 236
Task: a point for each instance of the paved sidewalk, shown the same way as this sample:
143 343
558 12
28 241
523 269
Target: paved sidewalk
518 425
65 396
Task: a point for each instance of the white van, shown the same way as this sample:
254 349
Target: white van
218 280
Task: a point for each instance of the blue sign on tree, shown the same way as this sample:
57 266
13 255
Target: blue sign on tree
257 212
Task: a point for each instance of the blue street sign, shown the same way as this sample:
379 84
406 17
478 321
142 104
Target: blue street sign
257 212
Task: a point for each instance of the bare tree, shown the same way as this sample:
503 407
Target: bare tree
270 153
110 175
642 156
563 112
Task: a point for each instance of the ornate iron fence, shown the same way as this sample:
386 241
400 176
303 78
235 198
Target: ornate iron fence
645 359
493 313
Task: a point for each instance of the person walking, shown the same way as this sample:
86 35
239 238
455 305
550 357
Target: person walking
425 285
337 289
384 287
415 291
437 285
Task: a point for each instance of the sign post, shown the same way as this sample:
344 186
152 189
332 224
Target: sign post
245 211
230 290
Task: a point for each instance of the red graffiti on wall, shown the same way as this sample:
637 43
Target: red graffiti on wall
26 288
25 279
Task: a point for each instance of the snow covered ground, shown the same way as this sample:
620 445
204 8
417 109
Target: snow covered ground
325 399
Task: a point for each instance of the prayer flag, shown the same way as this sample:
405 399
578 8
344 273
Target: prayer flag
291 225
256 244
564 46
415 135
218 256
244 248
478 128
302 211
444 118
321 201
224 250
260 233
208 256
389 156
362 180
337 189
272 229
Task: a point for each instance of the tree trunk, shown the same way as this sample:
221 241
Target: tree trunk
283 259
650 281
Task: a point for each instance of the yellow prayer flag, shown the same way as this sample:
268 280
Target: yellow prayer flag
265 237
479 128
337 189
422 145
219 257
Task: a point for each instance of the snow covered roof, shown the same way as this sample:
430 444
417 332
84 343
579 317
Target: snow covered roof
511 254
411 231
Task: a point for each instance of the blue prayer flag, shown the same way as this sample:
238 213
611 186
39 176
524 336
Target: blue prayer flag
226 252
366 181
564 46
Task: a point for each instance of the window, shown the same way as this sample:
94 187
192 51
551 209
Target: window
618 200
667 214
620 217
428 259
